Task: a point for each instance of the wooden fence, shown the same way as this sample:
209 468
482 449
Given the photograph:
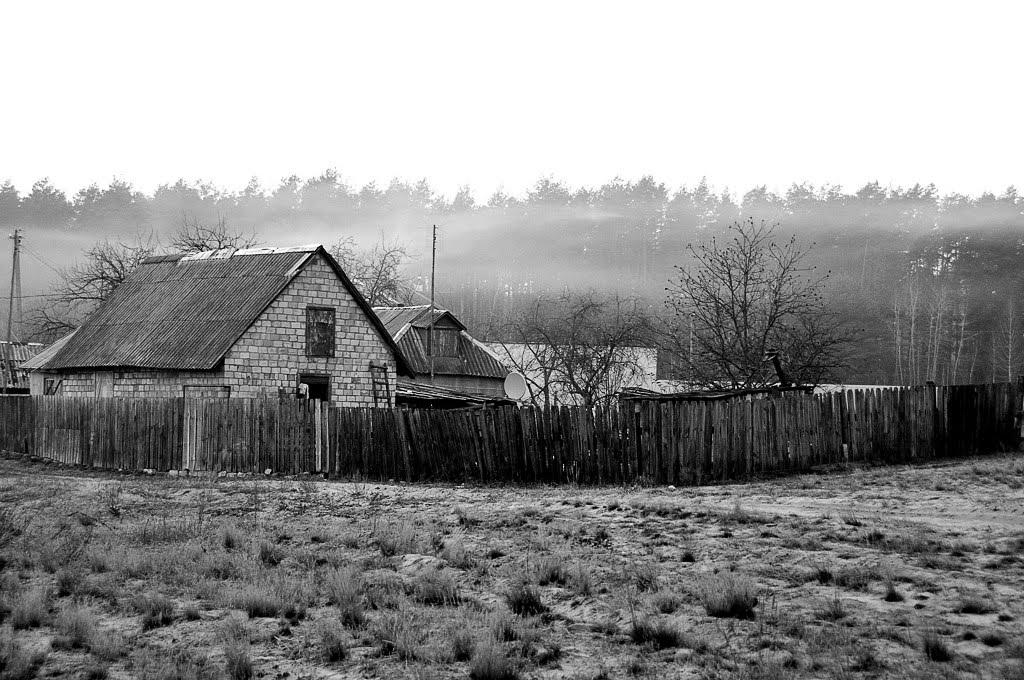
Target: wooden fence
659 442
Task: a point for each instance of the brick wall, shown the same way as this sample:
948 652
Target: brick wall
272 352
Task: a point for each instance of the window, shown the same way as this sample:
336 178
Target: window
52 385
319 331
445 342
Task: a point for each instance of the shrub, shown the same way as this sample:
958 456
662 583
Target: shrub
525 600
30 610
464 518
237 663
68 580
76 627
256 601
230 538
178 664
270 554
397 539
646 578
396 634
344 590
489 662
834 610
15 662
552 570
728 596
156 611
665 602
436 588
463 644
935 648
106 645
332 642
454 553
992 639
660 633
582 583
891 594
854 578
974 604
235 629
506 628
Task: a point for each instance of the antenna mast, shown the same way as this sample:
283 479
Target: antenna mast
15 282
430 336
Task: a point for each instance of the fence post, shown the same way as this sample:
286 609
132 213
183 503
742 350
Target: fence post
930 405
1018 417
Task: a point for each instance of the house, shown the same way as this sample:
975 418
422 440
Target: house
252 322
460 362
13 356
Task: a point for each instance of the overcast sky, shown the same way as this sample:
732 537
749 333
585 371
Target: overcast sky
497 94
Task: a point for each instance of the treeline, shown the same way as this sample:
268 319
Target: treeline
930 282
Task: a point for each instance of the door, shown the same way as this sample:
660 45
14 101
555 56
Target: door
313 386
104 384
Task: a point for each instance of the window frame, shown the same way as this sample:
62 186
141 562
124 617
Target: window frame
332 351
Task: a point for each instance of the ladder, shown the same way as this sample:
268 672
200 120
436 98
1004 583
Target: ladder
381 387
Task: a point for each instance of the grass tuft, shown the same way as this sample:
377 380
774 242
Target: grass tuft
935 648
660 633
489 662
525 600
728 595
156 611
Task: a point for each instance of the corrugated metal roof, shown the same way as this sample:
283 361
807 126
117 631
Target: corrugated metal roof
182 313
471 360
418 316
19 352
420 394
40 359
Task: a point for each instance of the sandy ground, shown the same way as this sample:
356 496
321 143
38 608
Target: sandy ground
880 572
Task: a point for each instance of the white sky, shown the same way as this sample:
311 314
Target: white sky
497 94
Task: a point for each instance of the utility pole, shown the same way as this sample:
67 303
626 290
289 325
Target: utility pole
15 281
430 336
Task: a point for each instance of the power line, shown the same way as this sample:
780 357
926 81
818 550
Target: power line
42 260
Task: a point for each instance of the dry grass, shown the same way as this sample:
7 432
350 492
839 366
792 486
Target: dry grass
808 577
728 595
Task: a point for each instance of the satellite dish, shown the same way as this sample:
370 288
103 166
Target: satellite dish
515 386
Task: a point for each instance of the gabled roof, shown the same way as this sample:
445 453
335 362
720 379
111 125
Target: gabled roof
184 312
474 359
398 319
39 360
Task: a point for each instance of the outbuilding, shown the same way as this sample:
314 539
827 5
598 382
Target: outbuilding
227 323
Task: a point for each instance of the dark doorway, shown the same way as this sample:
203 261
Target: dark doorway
317 386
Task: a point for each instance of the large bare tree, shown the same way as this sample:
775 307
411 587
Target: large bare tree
748 298
378 272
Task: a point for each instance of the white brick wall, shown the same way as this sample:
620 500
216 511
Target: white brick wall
272 352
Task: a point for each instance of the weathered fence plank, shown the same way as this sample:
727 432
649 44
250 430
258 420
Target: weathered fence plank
666 442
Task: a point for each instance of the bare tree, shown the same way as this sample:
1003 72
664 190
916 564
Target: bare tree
51 320
579 347
378 273
82 287
749 298
105 266
196 237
